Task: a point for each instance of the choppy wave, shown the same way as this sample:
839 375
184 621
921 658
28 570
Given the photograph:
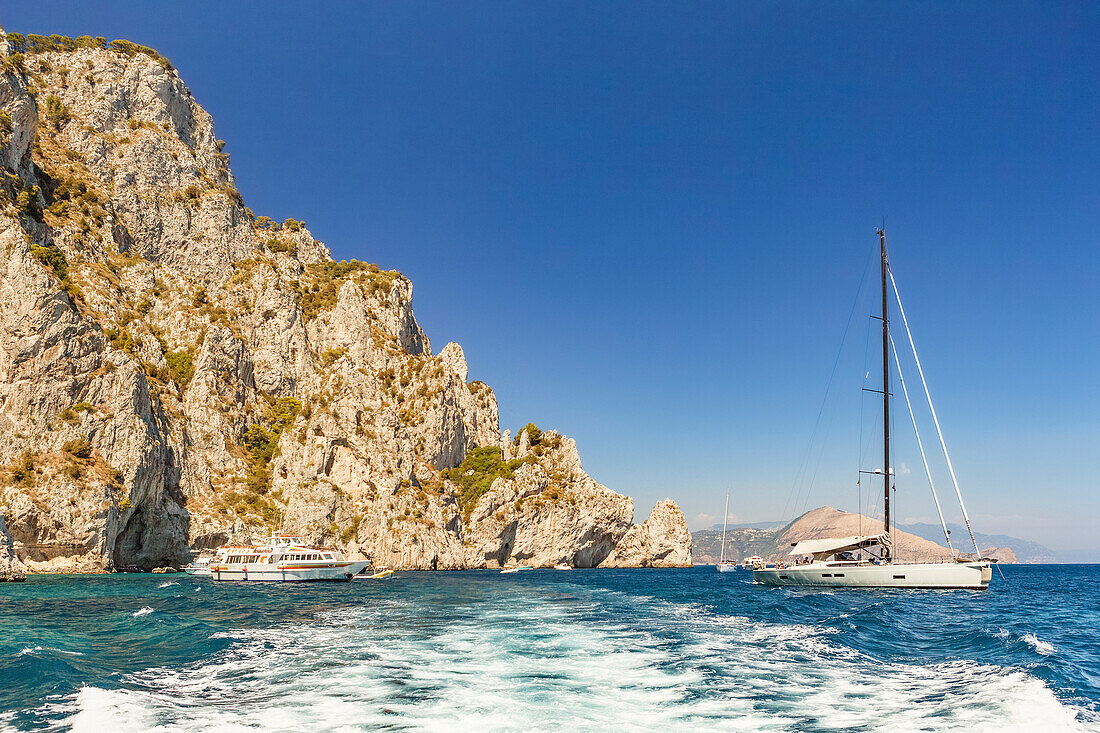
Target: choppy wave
554 662
142 612
46 649
169 584
1043 647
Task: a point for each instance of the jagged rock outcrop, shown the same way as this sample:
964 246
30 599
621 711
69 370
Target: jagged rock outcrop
11 567
662 541
177 372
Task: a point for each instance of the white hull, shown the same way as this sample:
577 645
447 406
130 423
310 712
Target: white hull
727 567
197 571
265 572
973 575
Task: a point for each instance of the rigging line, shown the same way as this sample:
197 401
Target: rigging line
920 444
796 492
939 432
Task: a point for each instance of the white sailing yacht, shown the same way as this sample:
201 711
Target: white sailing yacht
724 565
850 561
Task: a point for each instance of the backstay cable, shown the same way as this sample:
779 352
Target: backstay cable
943 444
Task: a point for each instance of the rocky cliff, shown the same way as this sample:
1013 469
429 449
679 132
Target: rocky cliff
177 372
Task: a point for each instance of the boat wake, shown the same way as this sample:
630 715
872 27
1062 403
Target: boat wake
542 659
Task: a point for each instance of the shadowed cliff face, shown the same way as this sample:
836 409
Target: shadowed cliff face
176 371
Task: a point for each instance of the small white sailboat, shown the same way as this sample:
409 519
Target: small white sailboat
724 565
851 561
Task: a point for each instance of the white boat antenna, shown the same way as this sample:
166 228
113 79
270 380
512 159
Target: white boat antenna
920 444
943 444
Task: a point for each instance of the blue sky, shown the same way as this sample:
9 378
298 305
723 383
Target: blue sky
646 222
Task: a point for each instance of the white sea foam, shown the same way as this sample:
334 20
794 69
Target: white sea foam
142 612
594 659
1043 647
39 649
168 584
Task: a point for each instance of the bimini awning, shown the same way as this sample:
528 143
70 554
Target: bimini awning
832 545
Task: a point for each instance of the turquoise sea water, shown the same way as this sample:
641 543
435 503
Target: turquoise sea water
548 650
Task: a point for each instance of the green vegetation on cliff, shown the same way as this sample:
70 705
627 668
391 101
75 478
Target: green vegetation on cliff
475 475
33 43
321 291
262 440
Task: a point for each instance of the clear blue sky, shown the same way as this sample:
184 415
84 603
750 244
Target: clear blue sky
646 222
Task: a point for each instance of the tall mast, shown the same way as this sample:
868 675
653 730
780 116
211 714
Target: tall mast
887 550
725 513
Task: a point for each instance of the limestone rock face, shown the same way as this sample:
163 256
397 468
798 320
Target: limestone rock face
550 512
662 541
11 567
177 372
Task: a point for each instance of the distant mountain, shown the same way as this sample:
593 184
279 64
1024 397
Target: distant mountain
1026 551
772 539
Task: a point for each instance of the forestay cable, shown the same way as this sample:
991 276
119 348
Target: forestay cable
920 444
943 444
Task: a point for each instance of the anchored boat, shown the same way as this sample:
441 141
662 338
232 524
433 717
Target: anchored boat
285 558
380 574
724 565
201 564
870 561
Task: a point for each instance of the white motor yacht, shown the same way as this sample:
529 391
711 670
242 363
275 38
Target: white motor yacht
285 558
